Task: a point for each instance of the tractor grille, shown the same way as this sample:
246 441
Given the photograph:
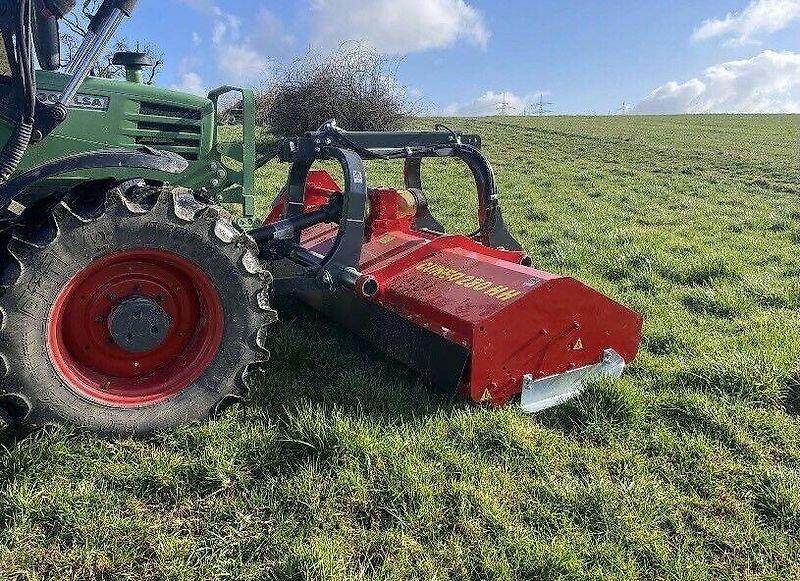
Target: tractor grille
159 110
170 128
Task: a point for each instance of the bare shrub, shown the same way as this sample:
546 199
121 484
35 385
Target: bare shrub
353 84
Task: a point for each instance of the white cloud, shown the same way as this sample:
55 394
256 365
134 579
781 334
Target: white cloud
268 23
392 27
241 64
766 83
190 82
224 22
491 103
238 58
220 30
270 35
760 16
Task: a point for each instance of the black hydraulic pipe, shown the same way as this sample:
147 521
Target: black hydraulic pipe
45 37
347 278
286 229
60 8
301 256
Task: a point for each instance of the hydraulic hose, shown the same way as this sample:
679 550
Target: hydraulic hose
13 151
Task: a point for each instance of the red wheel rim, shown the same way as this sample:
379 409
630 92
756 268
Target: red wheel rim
84 353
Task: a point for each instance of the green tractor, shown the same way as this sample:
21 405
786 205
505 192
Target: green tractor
132 301
128 305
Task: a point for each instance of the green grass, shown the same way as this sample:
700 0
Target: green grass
344 466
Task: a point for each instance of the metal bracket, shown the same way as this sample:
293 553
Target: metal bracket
339 267
493 230
248 223
548 392
244 195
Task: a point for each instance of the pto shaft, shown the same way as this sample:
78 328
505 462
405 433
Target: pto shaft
288 228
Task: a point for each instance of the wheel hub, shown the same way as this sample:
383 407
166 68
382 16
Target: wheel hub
138 325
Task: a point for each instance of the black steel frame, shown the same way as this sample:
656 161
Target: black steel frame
339 268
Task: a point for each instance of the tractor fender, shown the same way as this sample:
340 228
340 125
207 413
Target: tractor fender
16 197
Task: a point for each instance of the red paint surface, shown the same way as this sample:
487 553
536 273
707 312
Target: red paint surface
320 186
79 339
553 325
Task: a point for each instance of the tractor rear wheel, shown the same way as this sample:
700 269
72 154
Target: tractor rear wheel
135 310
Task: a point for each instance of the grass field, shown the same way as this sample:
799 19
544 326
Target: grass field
344 466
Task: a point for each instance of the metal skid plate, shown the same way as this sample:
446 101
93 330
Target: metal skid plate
548 392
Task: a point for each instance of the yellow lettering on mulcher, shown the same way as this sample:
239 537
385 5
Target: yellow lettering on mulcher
481 285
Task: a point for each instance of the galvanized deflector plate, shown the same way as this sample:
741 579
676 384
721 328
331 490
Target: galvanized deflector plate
548 392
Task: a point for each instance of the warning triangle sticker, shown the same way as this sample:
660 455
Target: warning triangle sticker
578 346
487 396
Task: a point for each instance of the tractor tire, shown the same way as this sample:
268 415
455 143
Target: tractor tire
141 311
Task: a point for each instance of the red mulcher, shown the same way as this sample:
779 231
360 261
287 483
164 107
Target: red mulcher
467 312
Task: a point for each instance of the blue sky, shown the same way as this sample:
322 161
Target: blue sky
463 56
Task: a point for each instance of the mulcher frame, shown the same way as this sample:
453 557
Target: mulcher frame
339 268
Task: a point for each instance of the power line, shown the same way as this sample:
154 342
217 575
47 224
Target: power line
504 107
539 108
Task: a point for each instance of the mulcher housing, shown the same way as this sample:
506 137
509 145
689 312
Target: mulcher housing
474 321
